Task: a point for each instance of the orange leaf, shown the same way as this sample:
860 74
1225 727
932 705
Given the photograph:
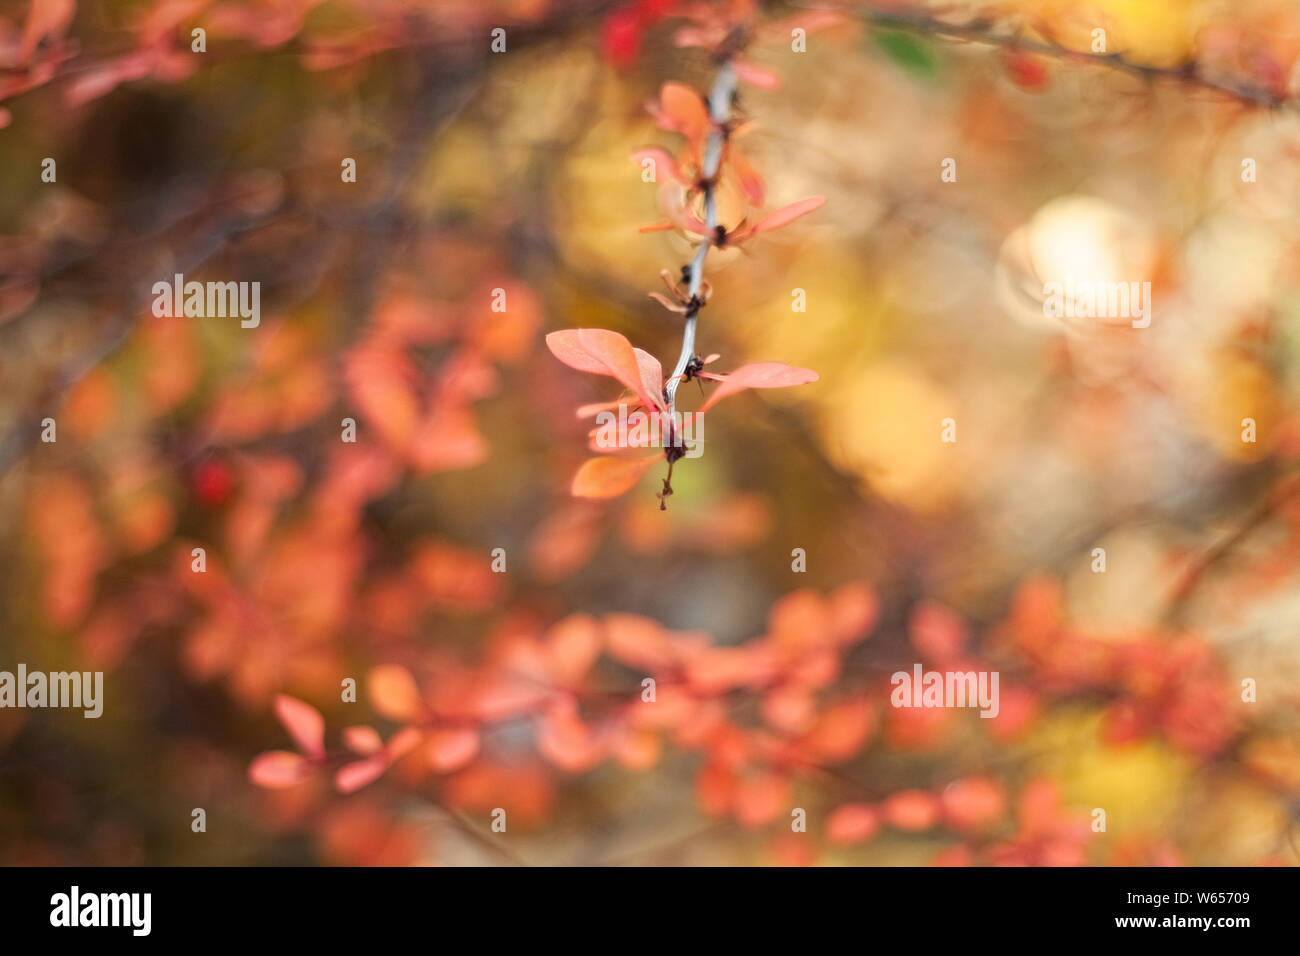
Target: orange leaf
573 645
381 383
90 404
638 749
683 111
713 670
715 787
507 336
852 823
800 620
362 740
762 798
1038 807
842 730
609 477
638 641
912 810
790 709
973 803
853 610
450 750
566 346
394 693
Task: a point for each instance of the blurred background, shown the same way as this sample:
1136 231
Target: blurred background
1162 690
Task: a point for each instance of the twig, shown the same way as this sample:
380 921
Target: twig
724 87
468 827
986 30
1286 489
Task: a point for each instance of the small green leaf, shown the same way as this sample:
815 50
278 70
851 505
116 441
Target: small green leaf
910 52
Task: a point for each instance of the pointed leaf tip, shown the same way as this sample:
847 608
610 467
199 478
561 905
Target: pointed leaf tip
760 375
303 722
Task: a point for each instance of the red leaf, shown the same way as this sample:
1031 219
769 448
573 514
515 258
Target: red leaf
620 361
715 787
1026 70
567 347
936 632
620 36
45 18
305 724
354 776
755 75
403 742
564 740
652 372
759 375
604 353
572 646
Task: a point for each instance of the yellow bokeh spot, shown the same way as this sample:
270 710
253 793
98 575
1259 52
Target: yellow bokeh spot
1138 784
1233 399
886 424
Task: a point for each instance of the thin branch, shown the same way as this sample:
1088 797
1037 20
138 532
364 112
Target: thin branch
990 32
1281 493
724 87
462 822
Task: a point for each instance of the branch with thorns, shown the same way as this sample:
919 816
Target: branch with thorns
688 189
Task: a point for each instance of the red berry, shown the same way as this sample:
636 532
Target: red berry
1026 70
621 36
212 483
